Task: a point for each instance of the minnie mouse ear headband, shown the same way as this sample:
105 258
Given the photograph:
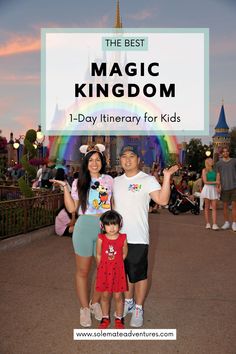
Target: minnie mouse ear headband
85 149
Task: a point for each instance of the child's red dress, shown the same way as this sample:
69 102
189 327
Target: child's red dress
111 275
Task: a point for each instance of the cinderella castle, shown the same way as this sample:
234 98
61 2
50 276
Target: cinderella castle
152 149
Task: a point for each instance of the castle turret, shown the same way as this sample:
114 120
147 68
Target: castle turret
221 138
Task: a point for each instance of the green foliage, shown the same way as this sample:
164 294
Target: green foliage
25 188
30 171
233 142
31 135
196 154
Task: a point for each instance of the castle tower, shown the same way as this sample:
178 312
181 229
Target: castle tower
221 138
118 23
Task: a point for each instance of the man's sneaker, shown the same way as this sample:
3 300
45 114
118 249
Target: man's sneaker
85 317
128 307
137 317
105 322
215 227
119 323
226 225
234 226
208 225
96 310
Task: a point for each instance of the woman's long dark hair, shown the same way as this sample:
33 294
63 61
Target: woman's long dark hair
84 179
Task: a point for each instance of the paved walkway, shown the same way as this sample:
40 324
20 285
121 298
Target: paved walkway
192 289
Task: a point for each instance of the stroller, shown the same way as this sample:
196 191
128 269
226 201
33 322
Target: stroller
180 203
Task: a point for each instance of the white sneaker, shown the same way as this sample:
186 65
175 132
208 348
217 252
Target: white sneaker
208 225
128 307
96 310
215 227
85 317
137 317
226 225
234 226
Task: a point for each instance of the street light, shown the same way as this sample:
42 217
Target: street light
17 145
39 141
208 153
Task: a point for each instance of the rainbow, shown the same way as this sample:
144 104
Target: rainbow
62 146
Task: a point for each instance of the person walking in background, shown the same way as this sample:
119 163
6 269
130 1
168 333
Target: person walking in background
111 278
209 193
226 179
132 193
91 196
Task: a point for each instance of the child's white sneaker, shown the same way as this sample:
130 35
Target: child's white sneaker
208 225
215 227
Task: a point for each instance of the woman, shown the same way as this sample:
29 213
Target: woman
91 196
209 193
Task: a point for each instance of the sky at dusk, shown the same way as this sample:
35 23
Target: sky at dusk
21 21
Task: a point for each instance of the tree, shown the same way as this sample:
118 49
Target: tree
196 154
30 171
233 142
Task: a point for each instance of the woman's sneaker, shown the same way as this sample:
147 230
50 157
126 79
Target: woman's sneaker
85 317
105 322
215 227
137 317
226 225
208 225
119 323
128 307
96 310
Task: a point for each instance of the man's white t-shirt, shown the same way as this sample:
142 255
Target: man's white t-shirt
131 199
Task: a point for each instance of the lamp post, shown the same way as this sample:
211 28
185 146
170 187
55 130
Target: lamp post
39 141
16 146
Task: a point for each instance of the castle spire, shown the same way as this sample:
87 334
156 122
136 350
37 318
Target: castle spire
118 23
221 138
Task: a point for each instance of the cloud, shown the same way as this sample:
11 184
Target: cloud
141 15
103 22
223 46
18 44
26 120
19 79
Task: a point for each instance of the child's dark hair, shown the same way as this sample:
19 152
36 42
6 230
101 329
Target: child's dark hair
111 217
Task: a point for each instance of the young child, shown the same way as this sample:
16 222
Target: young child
111 278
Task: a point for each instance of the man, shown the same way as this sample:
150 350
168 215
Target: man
226 179
132 193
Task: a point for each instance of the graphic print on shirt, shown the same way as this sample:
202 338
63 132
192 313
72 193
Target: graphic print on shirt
135 187
99 195
111 252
